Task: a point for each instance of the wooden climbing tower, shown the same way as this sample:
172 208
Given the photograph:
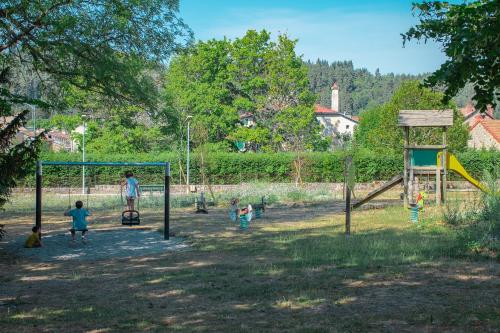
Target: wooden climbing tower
422 159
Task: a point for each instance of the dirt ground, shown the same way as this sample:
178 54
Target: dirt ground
254 281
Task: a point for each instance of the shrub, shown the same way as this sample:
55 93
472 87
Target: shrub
234 168
478 226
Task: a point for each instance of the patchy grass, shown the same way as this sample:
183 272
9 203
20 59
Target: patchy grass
292 271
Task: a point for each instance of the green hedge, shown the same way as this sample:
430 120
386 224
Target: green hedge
232 168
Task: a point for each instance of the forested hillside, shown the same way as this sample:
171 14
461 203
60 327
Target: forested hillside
359 89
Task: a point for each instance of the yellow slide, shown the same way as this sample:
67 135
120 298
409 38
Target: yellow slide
454 165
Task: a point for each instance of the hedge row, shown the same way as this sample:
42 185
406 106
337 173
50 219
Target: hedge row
233 168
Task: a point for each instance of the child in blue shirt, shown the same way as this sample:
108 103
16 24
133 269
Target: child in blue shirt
79 223
131 189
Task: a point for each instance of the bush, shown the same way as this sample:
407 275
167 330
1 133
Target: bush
234 168
478 226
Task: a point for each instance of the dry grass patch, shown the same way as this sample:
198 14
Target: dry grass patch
293 271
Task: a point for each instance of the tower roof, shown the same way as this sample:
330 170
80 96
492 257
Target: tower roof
335 86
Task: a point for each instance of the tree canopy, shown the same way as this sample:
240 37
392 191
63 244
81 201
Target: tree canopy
219 80
378 127
470 35
104 47
98 45
358 88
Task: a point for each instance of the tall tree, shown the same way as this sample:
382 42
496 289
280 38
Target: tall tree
102 46
378 127
470 35
218 80
359 89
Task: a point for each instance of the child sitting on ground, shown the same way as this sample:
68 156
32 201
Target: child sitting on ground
34 240
79 223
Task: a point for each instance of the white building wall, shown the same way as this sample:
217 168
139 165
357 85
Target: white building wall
333 126
481 138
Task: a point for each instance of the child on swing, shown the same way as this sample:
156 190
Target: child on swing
79 223
131 189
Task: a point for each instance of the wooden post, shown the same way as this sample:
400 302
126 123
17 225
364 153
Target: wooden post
411 186
438 185
406 134
166 203
348 212
443 164
347 166
38 199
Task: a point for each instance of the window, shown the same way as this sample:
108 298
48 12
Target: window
346 126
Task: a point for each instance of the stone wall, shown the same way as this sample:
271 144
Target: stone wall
181 189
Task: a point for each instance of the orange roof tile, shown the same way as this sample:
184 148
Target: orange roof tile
322 109
492 126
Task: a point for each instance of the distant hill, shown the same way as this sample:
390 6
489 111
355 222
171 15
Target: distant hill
358 88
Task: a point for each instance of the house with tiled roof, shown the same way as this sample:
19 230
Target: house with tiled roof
470 112
484 129
335 124
484 133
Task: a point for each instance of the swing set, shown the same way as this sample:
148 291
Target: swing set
128 217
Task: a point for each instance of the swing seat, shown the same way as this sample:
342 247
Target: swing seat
130 217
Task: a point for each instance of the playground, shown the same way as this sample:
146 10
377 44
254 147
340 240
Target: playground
300 261
288 272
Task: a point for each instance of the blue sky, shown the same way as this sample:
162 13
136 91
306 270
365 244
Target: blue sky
366 32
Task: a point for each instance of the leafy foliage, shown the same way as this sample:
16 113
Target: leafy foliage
378 127
470 35
97 45
16 156
104 47
478 223
358 88
217 80
234 168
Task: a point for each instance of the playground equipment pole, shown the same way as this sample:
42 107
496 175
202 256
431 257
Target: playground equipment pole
348 163
188 118
38 201
83 153
443 164
406 133
166 203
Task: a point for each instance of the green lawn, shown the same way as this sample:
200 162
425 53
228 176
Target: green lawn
293 271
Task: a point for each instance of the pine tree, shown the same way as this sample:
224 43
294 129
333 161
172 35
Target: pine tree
16 158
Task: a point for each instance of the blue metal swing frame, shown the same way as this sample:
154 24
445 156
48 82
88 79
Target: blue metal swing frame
166 194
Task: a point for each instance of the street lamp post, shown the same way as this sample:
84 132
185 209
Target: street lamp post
84 117
188 118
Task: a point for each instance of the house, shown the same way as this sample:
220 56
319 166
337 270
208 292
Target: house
247 119
61 141
23 133
335 124
484 129
484 133
469 112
